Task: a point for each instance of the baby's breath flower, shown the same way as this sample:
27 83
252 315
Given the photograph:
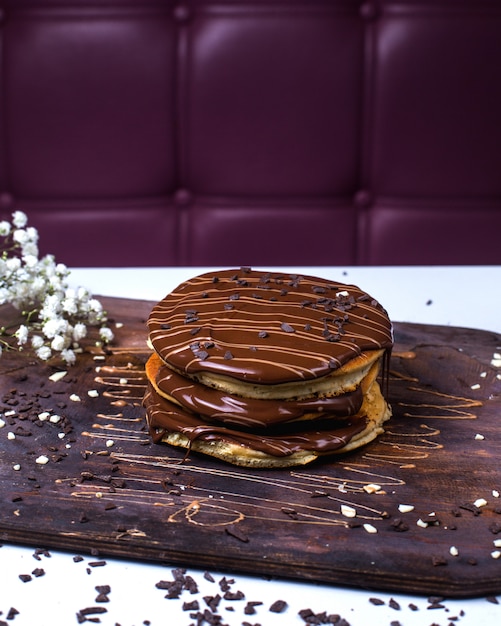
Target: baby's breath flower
79 331
37 342
21 334
58 343
19 219
4 228
68 356
44 353
56 316
106 334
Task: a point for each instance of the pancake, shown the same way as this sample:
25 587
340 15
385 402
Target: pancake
266 370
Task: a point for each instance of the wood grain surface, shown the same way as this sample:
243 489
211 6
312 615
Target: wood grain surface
106 489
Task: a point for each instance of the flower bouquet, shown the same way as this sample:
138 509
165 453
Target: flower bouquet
54 317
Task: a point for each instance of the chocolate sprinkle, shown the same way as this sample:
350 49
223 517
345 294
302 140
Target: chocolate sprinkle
278 606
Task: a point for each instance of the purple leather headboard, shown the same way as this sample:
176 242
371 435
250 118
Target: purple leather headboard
233 132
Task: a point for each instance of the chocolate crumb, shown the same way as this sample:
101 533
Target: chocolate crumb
97 563
393 604
212 601
278 606
249 607
37 572
25 578
208 576
399 525
102 597
492 599
376 601
12 613
234 595
191 606
237 533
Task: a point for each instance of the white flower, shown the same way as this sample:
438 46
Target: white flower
44 353
30 248
56 316
19 219
106 334
13 264
51 328
79 331
30 260
20 236
58 343
68 356
37 342
22 335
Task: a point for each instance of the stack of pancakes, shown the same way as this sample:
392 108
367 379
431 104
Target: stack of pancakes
266 369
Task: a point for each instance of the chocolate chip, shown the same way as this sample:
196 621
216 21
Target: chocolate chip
278 606
237 533
191 606
37 572
287 328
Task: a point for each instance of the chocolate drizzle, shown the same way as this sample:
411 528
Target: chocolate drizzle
230 409
166 417
279 328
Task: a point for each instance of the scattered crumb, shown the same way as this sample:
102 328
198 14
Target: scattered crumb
370 529
348 511
56 376
405 508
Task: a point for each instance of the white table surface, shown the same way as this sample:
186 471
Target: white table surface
458 296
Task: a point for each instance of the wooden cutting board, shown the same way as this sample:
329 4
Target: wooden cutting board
107 489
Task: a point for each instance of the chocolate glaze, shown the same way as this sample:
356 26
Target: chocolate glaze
230 409
266 328
165 417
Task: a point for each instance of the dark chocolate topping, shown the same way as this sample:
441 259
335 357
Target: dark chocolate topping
266 328
230 409
165 417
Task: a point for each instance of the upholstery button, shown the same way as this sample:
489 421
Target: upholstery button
362 199
182 13
182 197
369 10
6 201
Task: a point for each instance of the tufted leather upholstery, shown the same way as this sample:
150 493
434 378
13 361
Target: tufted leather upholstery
229 132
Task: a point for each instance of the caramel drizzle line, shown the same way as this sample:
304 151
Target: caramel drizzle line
299 486
118 417
434 431
269 507
352 483
398 375
129 437
122 350
110 380
456 410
